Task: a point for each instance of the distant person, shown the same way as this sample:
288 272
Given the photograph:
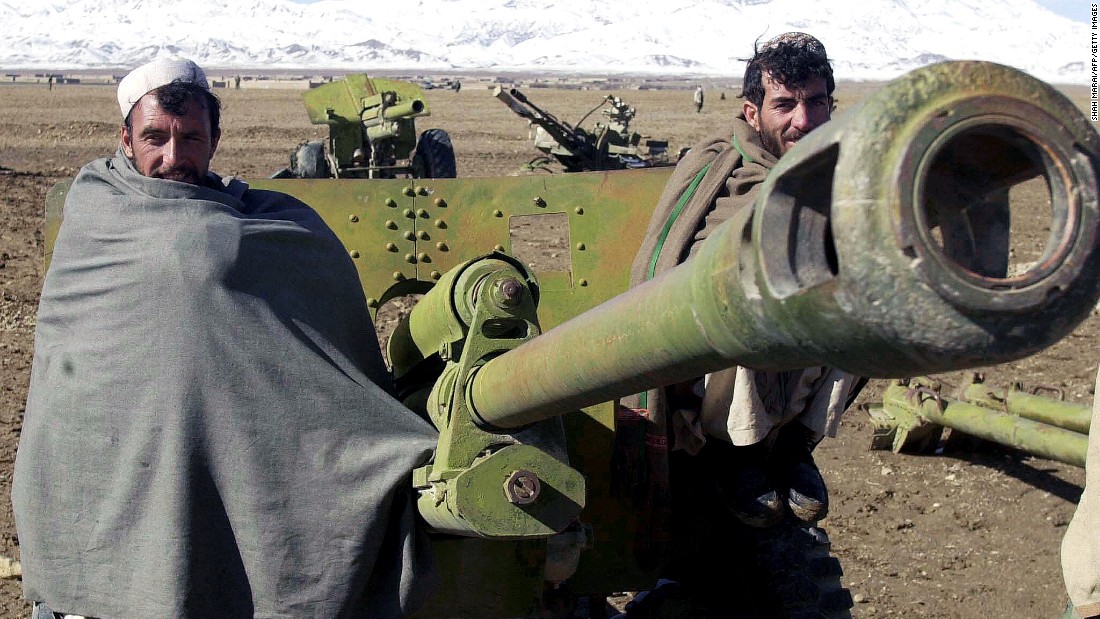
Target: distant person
1081 544
236 82
457 86
209 430
698 99
49 83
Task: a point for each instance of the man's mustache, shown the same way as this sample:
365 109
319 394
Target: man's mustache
183 175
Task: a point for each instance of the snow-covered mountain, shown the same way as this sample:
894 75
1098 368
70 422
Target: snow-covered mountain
871 39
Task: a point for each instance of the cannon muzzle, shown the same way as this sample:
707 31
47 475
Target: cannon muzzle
882 244
509 99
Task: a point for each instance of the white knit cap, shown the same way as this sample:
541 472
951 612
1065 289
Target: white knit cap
153 75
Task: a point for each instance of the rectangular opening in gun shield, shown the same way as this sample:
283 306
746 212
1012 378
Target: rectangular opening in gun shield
541 241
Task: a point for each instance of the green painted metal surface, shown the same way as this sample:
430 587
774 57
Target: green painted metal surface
1068 415
356 98
922 403
358 107
476 502
405 235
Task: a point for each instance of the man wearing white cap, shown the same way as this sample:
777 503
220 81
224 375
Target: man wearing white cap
170 142
210 430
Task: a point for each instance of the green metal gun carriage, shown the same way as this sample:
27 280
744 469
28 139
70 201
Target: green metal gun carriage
864 252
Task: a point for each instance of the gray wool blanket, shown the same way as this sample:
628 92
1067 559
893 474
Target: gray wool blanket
209 431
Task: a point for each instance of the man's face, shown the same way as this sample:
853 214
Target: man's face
789 112
163 145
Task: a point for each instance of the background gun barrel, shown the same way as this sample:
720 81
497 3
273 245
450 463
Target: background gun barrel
880 245
510 100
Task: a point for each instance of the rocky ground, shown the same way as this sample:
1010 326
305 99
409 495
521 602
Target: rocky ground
970 530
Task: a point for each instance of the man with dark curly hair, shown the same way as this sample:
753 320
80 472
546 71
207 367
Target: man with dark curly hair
788 90
754 430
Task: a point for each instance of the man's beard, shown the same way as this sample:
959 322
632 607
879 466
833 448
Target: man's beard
183 174
774 143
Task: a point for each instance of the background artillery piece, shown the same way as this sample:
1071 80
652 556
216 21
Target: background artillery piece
610 145
372 133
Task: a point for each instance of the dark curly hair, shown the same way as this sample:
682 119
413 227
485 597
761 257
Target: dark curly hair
174 97
789 59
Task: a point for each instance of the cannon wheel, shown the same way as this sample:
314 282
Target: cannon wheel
800 575
724 568
308 160
785 572
435 156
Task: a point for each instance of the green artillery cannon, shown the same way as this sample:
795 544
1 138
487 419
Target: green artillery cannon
609 146
372 133
913 414
862 252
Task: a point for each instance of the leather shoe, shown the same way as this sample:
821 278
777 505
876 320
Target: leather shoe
743 484
807 496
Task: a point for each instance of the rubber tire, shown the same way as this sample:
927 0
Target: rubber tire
798 575
308 160
727 568
784 572
434 156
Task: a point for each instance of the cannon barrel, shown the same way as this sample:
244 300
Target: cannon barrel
880 244
387 107
918 401
513 103
561 132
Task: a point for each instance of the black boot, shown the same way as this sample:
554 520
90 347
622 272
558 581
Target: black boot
743 482
796 472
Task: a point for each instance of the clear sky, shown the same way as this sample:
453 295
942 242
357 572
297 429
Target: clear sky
1077 10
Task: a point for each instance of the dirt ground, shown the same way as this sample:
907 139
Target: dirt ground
970 531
